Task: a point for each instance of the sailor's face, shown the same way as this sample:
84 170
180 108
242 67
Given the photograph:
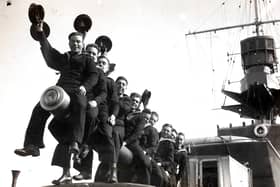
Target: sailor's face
173 135
135 103
103 64
146 117
92 51
153 119
76 43
180 140
166 132
121 86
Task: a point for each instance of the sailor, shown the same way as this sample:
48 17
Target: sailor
149 142
164 156
96 97
134 125
101 139
78 75
150 137
72 79
180 156
119 127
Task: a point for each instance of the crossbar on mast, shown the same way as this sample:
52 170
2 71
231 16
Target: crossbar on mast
234 26
256 23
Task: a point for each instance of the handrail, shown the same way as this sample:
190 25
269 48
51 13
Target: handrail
273 148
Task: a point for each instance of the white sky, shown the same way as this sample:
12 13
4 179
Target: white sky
149 48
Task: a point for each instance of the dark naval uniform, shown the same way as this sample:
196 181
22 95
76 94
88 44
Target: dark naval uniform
149 140
101 139
180 159
134 126
99 94
75 70
119 129
165 156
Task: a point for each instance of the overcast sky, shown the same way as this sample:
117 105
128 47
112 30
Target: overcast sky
184 74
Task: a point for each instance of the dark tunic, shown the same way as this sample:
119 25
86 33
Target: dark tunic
180 159
98 94
99 91
75 70
118 129
101 140
113 99
124 108
149 140
134 126
72 75
165 154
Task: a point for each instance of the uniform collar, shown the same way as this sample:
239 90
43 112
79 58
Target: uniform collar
166 139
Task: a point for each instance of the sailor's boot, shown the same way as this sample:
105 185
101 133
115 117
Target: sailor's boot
65 177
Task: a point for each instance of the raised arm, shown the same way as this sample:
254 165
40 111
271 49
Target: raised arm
54 59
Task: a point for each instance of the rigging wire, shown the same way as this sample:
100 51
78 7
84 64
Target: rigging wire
250 14
274 28
231 63
212 68
204 22
228 72
232 47
188 51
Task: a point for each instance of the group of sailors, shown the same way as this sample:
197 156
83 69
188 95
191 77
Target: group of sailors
103 118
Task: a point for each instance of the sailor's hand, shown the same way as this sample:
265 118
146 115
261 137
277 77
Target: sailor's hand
112 119
83 90
168 175
92 103
39 26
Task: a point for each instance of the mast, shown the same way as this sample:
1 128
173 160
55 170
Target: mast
257 17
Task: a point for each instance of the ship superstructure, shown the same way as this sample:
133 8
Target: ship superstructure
246 155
